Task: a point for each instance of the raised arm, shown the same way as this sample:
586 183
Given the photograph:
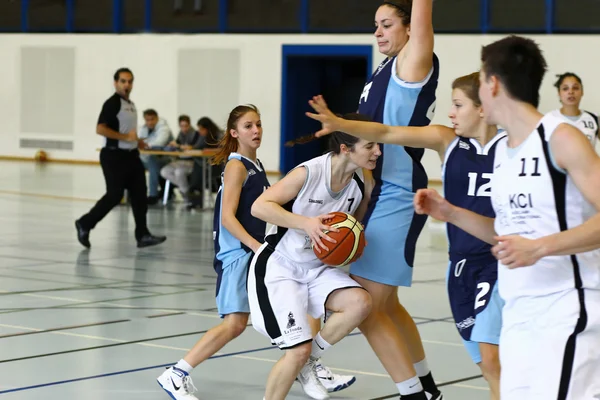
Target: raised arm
416 59
434 137
233 180
573 153
269 208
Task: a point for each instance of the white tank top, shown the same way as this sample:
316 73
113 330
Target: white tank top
533 198
315 198
586 122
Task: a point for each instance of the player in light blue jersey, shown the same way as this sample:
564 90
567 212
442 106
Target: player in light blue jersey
401 92
467 152
237 236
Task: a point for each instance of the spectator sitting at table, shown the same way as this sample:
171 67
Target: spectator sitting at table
210 134
178 171
156 134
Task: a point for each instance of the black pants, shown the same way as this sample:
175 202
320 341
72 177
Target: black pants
122 170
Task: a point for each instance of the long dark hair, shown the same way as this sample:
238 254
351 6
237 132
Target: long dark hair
337 138
214 132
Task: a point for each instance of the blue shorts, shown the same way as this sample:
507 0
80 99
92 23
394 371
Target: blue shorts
391 232
232 290
475 302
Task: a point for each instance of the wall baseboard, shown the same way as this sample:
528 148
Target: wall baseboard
88 162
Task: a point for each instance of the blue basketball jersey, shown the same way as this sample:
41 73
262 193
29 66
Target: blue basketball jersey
466 175
227 247
389 100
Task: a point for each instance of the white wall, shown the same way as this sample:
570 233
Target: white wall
228 70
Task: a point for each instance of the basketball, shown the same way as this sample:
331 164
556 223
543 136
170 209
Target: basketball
41 156
350 241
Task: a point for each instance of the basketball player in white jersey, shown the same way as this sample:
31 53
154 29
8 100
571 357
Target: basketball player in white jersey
287 281
570 92
546 234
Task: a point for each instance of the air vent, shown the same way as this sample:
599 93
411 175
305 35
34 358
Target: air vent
46 144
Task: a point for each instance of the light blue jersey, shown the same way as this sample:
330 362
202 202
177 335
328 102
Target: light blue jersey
392 227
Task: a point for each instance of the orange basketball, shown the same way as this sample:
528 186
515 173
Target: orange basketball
350 241
41 156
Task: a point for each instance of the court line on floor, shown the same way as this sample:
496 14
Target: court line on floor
143 342
46 196
80 275
119 342
33 331
239 354
107 301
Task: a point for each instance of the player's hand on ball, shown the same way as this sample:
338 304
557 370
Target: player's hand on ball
329 121
429 201
516 251
315 228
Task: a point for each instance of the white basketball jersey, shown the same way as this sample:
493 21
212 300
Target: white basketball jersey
587 123
533 198
315 198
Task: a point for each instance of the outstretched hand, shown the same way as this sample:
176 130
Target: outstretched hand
429 201
329 121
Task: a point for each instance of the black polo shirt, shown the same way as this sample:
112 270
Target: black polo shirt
119 115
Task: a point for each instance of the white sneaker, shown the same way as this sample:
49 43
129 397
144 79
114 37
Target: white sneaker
333 382
178 384
311 384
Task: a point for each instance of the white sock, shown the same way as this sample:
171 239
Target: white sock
319 346
184 366
410 386
422 368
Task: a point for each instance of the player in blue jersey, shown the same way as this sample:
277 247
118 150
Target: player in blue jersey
237 235
467 152
401 92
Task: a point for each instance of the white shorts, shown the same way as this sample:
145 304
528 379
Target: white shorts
555 354
281 294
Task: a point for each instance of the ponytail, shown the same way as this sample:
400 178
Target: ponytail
228 144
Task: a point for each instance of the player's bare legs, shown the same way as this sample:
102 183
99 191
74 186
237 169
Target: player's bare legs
350 307
406 326
282 376
383 336
315 325
232 326
490 367
332 382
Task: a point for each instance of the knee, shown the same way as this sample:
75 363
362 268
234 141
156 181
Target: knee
165 172
361 303
490 365
235 327
180 173
299 354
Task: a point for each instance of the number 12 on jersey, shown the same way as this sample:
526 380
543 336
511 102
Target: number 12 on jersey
485 190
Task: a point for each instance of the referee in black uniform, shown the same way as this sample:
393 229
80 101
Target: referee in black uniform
121 164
